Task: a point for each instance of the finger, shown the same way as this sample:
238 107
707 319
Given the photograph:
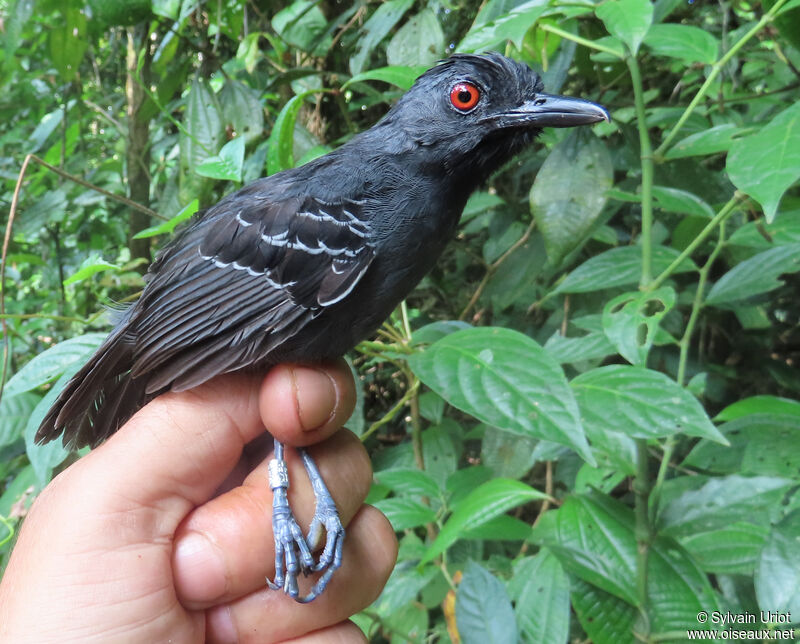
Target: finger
317 400
225 548
180 447
342 633
269 616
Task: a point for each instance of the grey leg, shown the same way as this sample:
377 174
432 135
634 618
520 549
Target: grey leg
292 554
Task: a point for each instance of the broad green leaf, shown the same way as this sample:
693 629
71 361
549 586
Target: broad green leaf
168 226
505 379
716 139
510 26
570 350
68 42
756 275
45 128
631 321
569 192
402 76
434 331
765 164
204 123
404 513
731 550
508 455
593 538
281 139
227 165
418 42
51 363
408 482
502 528
375 29
685 42
303 25
484 503
605 618
242 108
641 403
14 413
784 230
777 577
461 482
619 267
89 267
628 20
681 201
403 586
721 501
752 447
411 620
483 610
759 405
540 590
23 486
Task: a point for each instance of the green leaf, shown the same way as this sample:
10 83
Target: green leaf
89 267
404 513
409 482
242 108
731 550
168 226
569 192
777 577
508 455
605 618
227 165
380 23
628 20
505 379
631 321
400 75
510 26
765 164
721 501
681 201
483 609
281 140
418 42
756 275
716 139
303 25
685 42
484 503
502 528
14 413
784 230
51 363
45 128
540 590
759 405
641 403
570 350
204 123
68 43
619 267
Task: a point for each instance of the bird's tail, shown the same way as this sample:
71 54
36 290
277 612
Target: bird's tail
98 399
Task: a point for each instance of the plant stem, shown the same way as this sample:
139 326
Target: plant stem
581 41
646 153
390 414
641 490
717 220
716 68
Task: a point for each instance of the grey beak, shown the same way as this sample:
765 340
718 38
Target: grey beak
549 110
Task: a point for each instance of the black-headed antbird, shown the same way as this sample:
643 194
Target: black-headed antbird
301 266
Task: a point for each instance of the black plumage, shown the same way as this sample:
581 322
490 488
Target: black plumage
302 265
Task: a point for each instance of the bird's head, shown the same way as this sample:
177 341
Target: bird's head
474 112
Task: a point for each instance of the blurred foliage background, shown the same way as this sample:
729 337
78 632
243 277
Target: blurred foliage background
584 423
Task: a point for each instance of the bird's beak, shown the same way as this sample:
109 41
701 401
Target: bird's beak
549 110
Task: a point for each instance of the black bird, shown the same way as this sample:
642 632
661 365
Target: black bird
302 265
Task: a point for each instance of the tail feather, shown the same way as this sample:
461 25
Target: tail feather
98 399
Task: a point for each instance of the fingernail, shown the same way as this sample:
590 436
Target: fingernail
315 394
199 568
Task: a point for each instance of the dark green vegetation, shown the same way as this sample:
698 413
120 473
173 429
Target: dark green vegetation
619 331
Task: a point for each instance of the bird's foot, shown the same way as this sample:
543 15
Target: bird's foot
325 517
292 554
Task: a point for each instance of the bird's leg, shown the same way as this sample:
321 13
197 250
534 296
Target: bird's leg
289 540
325 516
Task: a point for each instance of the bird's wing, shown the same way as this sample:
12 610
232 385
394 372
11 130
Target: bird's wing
247 276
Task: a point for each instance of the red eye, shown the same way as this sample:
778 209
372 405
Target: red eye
464 96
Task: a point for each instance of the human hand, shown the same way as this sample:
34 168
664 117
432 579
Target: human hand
160 534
